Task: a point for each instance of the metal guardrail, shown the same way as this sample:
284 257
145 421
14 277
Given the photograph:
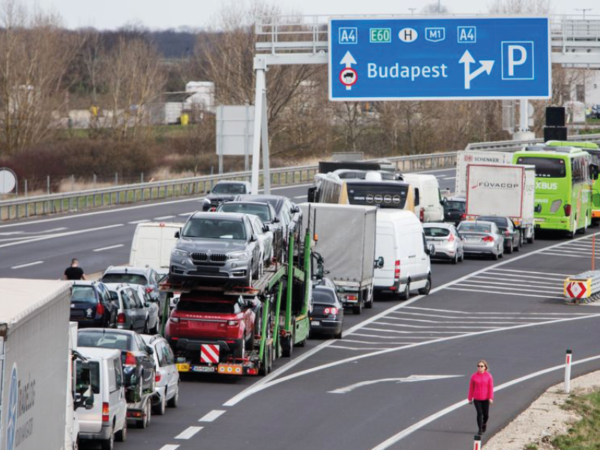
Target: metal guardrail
132 193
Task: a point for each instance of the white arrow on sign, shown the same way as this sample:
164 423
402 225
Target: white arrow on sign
348 60
411 379
467 60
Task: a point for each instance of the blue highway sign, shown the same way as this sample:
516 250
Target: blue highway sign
439 59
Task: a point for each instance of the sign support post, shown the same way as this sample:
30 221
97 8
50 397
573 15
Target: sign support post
260 67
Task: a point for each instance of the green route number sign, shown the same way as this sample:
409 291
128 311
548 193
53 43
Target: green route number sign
380 35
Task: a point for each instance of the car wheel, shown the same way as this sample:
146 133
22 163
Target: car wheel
146 330
531 240
511 246
161 408
149 410
250 274
338 335
238 353
406 294
425 290
462 256
495 256
121 436
455 260
174 401
108 444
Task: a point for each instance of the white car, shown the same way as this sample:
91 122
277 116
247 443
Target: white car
167 376
446 240
265 238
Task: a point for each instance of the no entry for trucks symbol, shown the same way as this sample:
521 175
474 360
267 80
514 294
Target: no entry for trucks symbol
348 77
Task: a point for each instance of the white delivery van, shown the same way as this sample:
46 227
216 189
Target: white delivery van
429 207
401 243
152 244
107 420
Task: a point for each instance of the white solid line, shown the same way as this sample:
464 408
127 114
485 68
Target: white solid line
187 214
474 318
404 325
497 313
108 248
387 337
375 343
408 431
478 320
169 447
497 280
412 332
341 347
450 178
188 433
163 218
535 273
300 197
564 255
55 229
135 222
512 294
27 265
212 416
54 236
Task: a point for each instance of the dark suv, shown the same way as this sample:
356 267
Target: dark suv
224 191
91 305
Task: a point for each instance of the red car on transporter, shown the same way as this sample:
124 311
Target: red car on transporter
206 329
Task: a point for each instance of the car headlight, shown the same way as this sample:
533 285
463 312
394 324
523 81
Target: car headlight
178 252
238 255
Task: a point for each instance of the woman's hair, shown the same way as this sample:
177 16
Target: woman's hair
484 362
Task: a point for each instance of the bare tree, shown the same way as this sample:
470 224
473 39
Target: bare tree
35 52
520 7
435 8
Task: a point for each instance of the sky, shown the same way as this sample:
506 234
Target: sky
161 14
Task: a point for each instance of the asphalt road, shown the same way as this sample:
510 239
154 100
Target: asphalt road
398 379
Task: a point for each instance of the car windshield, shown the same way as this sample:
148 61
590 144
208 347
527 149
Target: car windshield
474 227
323 297
206 307
215 229
436 232
452 204
83 380
545 167
104 339
83 294
500 221
127 278
384 195
261 211
229 188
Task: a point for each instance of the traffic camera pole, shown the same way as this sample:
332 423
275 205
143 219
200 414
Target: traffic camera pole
568 363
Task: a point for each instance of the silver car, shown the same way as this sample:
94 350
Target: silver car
167 376
446 240
481 238
129 314
217 247
151 306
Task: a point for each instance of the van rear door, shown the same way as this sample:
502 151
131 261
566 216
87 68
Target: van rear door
90 420
385 246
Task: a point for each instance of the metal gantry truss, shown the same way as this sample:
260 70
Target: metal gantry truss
297 40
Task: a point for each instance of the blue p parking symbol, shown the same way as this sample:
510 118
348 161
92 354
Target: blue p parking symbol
517 60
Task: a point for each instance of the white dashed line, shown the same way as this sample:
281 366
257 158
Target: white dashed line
300 197
188 433
135 222
212 416
27 265
164 217
169 447
55 229
108 248
187 214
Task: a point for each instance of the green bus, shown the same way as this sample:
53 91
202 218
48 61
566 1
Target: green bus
563 187
594 151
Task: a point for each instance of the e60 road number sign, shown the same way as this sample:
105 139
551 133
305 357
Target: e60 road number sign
435 59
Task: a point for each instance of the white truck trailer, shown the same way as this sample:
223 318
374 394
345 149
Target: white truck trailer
346 242
34 363
502 190
467 157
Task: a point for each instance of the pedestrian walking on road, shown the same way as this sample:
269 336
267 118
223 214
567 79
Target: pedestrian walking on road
74 272
481 393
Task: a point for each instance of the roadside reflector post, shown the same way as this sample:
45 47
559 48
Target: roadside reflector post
477 442
568 363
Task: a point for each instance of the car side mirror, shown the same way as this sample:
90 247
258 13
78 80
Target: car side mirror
295 210
177 235
253 238
266 228
430 250
114 297
276 220
149 350
147 305
208 191
379 262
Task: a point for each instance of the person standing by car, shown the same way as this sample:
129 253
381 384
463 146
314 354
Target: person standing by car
481 393
74 272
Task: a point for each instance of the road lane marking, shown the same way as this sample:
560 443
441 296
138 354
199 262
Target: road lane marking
564 255
164 218
212 416
108 248
27 265
135 222
479 291
267 382
449 178
449 321
528 281
187 214
342 347
405 325
300 197
169 447
387 337
410 430
411 379
410 332
497 313
188 433
54 236
54 230
130 208
374 343
515 289
472 318
535 273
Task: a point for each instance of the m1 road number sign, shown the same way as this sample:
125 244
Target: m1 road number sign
436 59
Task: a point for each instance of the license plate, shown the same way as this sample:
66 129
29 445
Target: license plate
203 369
183 367
315 323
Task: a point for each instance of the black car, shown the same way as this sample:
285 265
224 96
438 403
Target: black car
91 305
267 215
454 209
224 191
288 213
327 315
513 237
136 356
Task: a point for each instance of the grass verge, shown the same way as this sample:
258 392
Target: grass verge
585 434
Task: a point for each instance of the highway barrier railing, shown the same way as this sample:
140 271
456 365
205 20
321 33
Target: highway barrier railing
65 202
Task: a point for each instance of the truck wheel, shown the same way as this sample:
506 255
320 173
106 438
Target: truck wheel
238 353
358 309
108 444
369 304
425 290
406 294
287 345
121 436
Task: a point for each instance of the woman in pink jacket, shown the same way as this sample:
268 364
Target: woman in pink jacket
481 392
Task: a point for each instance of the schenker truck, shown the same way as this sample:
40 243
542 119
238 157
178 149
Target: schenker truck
34 363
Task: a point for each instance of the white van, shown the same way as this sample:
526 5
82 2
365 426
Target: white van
430 208
401 243
152 244
107 420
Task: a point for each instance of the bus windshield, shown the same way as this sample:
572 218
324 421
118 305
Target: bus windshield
384 195
545 167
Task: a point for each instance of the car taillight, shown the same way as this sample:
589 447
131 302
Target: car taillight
332 310
488 239
507 233
105 412
130 359
451 238
397 271
174 319
100 309
233 323
121 318
463 216
567 210
352 297
157 377
422 215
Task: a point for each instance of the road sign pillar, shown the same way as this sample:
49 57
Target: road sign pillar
569 361
477 442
